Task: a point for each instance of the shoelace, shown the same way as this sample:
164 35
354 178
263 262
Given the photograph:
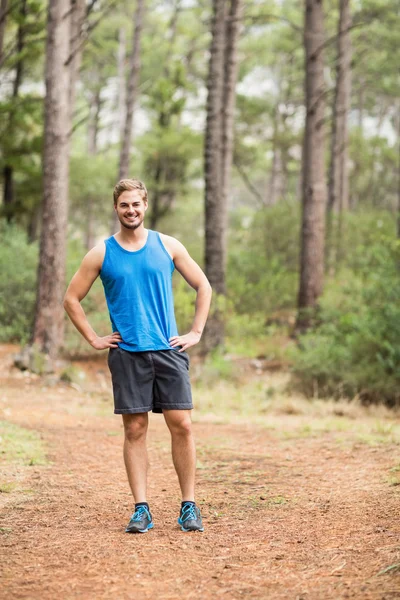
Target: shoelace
138 515
188 512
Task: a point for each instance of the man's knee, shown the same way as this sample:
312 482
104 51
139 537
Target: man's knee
135 426
180 424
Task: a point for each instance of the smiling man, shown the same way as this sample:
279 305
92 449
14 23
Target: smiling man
147 356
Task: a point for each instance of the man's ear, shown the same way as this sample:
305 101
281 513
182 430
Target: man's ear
146 206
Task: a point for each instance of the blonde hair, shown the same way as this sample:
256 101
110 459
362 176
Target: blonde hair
127 185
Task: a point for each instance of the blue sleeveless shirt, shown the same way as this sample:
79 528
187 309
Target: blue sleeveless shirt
138 290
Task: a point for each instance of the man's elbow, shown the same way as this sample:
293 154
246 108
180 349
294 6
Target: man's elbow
207 287
68 302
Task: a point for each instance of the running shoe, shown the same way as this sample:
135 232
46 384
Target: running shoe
190 518
141 521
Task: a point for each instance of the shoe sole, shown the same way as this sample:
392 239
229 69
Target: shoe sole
191 530
140 530
188 530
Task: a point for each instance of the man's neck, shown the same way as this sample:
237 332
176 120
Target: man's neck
132 236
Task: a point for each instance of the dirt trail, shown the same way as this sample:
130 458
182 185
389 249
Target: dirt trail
299 519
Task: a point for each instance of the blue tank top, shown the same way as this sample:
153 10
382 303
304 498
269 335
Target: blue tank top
138 290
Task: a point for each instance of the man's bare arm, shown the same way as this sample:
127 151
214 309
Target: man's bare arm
80 285
195 277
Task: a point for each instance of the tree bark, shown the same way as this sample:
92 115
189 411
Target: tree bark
131 97
48 324
232 30
121 99
314 185
78 15
8 192
398 170
8 170
338 199
213 166
3 19
92 133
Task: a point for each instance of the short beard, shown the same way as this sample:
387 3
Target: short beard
131 227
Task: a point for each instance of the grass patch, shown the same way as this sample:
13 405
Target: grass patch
7 487
21 446
395 568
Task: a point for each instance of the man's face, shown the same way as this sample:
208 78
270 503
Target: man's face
131 209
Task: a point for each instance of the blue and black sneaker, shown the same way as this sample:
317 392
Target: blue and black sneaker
190 518
141 521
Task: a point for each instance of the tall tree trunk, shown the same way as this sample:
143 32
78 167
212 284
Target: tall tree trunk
398 171
338 191
78 14
213 167
121 100
338 198
93 129
8 192
275 181
131 97
48 324
314 185
8 171
3 19
232 30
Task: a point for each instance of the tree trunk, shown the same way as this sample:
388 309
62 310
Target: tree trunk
338 198
63 55
3 19
78 15
213 167
93 129
314 185
8 192
232 30
275 182
121 99
398 171
8 189
131 97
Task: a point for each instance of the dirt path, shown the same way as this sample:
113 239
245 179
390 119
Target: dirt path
298 518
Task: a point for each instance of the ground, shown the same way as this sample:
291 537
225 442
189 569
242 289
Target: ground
298 504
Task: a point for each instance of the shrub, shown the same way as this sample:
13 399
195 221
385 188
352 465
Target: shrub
18 266
355 350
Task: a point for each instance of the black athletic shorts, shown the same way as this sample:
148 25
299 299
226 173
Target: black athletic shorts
145 381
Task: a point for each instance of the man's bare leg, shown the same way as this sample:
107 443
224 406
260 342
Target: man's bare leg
183 449
135 454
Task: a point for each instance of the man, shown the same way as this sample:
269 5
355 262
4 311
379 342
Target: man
147 357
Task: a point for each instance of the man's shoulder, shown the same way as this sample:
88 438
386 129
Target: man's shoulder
95 256
173 245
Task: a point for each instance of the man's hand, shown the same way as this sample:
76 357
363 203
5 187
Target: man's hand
186 341
108 341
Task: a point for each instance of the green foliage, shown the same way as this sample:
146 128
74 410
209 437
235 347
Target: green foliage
18 264
263 259
355 350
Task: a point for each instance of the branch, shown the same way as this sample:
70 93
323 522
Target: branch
90 28
252 189
8 10
90 7
270 16
334 38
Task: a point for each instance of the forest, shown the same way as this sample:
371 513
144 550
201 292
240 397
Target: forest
267 133
268 136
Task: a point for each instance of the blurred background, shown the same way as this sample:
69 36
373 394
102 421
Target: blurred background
268 136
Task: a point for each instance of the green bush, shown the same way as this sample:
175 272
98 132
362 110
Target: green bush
355 350
263 259
18 267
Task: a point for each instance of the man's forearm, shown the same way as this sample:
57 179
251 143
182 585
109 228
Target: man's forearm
203 301
78 317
